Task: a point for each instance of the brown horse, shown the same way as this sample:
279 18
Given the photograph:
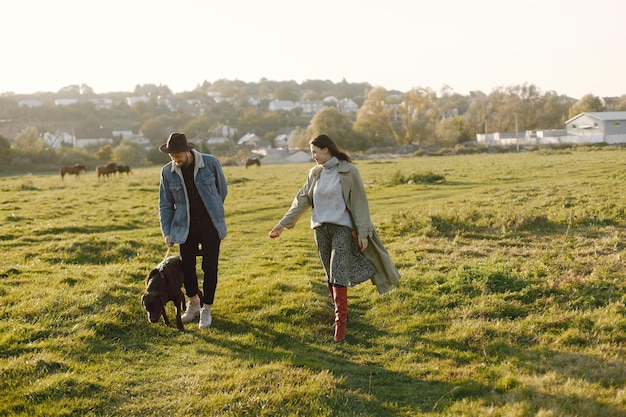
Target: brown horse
253 161
108 169
124 168
72 170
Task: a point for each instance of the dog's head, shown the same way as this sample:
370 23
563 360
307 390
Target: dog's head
153 300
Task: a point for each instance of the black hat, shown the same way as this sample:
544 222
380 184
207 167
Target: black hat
177 142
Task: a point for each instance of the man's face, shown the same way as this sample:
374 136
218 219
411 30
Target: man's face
180 159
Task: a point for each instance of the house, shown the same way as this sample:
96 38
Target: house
131 101
249 139
348 106
102 103
310 107
57 139
84 137
281 141
65 101
609 127
276 105
299 156
29 103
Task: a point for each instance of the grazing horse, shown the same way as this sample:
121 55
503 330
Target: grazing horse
73 170
253 161
108 169
124 168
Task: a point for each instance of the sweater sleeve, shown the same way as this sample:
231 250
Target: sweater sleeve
301 202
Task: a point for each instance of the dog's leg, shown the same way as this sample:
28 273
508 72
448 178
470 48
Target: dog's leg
165 319
180 306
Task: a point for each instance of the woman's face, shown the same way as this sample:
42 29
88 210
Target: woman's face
320 155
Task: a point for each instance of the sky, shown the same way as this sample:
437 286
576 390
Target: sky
571 47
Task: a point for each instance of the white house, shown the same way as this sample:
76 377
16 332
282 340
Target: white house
281 105
134 99
84 137
29 103
249 139
65 101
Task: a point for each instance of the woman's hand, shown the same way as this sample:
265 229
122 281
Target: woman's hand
363 242
276 231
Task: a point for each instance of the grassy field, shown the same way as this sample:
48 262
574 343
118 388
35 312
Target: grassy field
512 299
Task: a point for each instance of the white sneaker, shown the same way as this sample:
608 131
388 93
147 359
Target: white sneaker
205 318
193 311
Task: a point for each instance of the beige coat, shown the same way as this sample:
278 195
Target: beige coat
387 274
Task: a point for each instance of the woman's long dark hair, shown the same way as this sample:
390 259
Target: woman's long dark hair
323 141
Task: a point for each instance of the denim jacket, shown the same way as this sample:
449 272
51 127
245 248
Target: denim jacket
174 202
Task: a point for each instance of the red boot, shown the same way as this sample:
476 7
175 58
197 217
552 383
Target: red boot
340 298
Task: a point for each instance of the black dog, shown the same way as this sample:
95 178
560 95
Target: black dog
164 284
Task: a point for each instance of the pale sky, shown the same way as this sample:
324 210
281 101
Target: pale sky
572 47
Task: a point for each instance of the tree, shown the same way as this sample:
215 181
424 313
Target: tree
373 120
619 104
588 103
337 125
129 151
197 126
451 131
156 129
5 149
298 138
104 153
284 92
28 140
418 119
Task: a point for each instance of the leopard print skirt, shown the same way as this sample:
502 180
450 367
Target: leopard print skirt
339 252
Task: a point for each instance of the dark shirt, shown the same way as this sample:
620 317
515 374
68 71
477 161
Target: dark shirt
198 214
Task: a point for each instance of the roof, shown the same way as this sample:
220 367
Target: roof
248 138
602 115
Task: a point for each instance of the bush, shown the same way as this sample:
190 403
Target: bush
417 178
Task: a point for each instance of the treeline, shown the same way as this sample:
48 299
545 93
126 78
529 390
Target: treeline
234 108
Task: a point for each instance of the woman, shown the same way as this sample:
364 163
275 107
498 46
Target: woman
342 227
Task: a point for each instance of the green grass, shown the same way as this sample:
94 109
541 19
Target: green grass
512 299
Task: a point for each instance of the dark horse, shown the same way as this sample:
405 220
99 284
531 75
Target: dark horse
72 169
124 168
253 161
108 169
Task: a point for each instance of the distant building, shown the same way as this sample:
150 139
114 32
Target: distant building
597 124
281 141
310 107
250 140
57 139
102 103
65 101
348 106
29 103
84 137
131 101
276 105
590 127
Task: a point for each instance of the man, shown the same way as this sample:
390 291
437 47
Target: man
192 191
